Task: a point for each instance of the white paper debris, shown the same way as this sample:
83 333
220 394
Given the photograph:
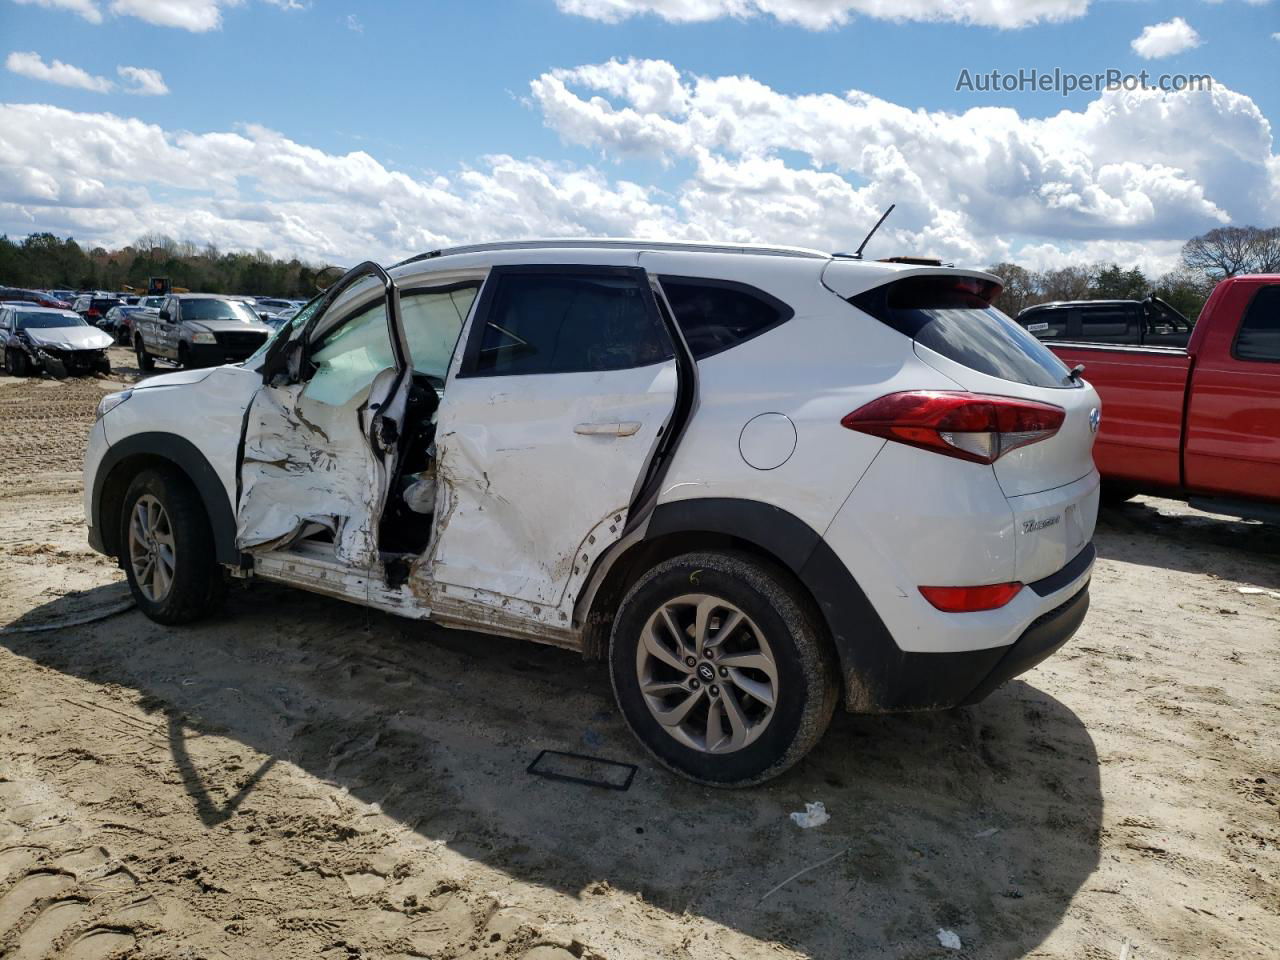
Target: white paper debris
990 832
1257 592
814 815
949 940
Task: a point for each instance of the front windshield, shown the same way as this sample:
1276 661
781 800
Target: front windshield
48 321
217 310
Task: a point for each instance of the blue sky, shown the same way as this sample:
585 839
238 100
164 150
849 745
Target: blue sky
431 89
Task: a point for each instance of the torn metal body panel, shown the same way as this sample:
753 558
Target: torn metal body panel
305 463
307 566
511 517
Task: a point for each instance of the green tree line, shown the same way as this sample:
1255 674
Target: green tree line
44 261
1206 259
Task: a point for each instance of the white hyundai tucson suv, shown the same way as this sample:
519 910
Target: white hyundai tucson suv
759 482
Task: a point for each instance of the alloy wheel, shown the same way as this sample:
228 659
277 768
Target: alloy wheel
707 673
152 553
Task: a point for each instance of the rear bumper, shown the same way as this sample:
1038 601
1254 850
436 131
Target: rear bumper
902 681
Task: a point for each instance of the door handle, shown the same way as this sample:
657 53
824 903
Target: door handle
624 429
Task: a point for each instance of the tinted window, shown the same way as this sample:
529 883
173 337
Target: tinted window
717 314
1047 324
1107 325
1259 337
566 323
953 316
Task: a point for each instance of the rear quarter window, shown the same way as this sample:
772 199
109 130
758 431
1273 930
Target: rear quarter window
953 316
715 315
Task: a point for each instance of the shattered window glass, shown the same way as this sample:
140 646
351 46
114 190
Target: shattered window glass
349 359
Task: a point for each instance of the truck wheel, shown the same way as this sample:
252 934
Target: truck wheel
1113 496
145 361
167 548
721 668
184 357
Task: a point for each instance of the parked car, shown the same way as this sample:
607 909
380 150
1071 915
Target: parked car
37 297
198 330
119 322
1202 423
1133 322
44 339
270 308
756 482
93 307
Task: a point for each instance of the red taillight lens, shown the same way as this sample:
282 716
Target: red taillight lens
971 426
971 599
94 313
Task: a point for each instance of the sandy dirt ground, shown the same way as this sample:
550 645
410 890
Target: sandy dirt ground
300 777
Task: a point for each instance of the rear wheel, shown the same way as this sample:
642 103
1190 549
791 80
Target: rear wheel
145 360
721 668
167 547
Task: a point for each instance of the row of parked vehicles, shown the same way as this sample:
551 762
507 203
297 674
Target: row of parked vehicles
44 331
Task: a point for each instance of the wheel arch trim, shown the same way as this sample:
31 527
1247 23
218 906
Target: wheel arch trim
858 635
185 456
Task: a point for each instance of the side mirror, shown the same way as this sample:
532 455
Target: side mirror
164 315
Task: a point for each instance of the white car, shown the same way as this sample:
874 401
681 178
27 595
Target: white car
759 482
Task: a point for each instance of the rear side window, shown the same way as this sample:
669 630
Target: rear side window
1259 337
562 322
1108 325
715 315
1045 324
953 316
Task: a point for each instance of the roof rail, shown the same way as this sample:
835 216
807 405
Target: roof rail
615 244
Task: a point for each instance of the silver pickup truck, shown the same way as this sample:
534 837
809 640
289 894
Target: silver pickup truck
198 330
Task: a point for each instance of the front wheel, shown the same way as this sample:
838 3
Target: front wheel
721 668
167 548
146 362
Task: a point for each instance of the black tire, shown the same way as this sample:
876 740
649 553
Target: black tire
16 363
199 585
807 687
184 357
1113 496
146 362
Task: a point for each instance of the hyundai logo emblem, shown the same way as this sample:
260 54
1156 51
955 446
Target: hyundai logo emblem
1095 419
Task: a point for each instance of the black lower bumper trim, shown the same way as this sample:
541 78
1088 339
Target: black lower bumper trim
937 681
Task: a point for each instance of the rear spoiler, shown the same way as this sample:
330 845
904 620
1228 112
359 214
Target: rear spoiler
849 278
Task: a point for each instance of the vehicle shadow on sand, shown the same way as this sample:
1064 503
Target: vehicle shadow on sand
982 821
1178 538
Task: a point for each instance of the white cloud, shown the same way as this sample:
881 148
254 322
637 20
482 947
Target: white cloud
86 8
1165 39
1130 176
354 24
821 14
143 81
197 16
30 64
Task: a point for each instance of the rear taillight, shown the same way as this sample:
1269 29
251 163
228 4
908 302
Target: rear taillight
971 426
971 599
92 313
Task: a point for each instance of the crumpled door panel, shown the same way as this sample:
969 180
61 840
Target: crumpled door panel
309 463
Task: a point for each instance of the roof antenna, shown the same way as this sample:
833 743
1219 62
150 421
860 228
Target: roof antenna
857 254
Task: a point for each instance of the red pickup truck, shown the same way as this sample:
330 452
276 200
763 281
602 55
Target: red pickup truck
1200 424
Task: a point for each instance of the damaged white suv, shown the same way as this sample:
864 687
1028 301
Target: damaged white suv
758 481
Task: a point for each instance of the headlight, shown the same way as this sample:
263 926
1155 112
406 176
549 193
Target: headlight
203 338
111 401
